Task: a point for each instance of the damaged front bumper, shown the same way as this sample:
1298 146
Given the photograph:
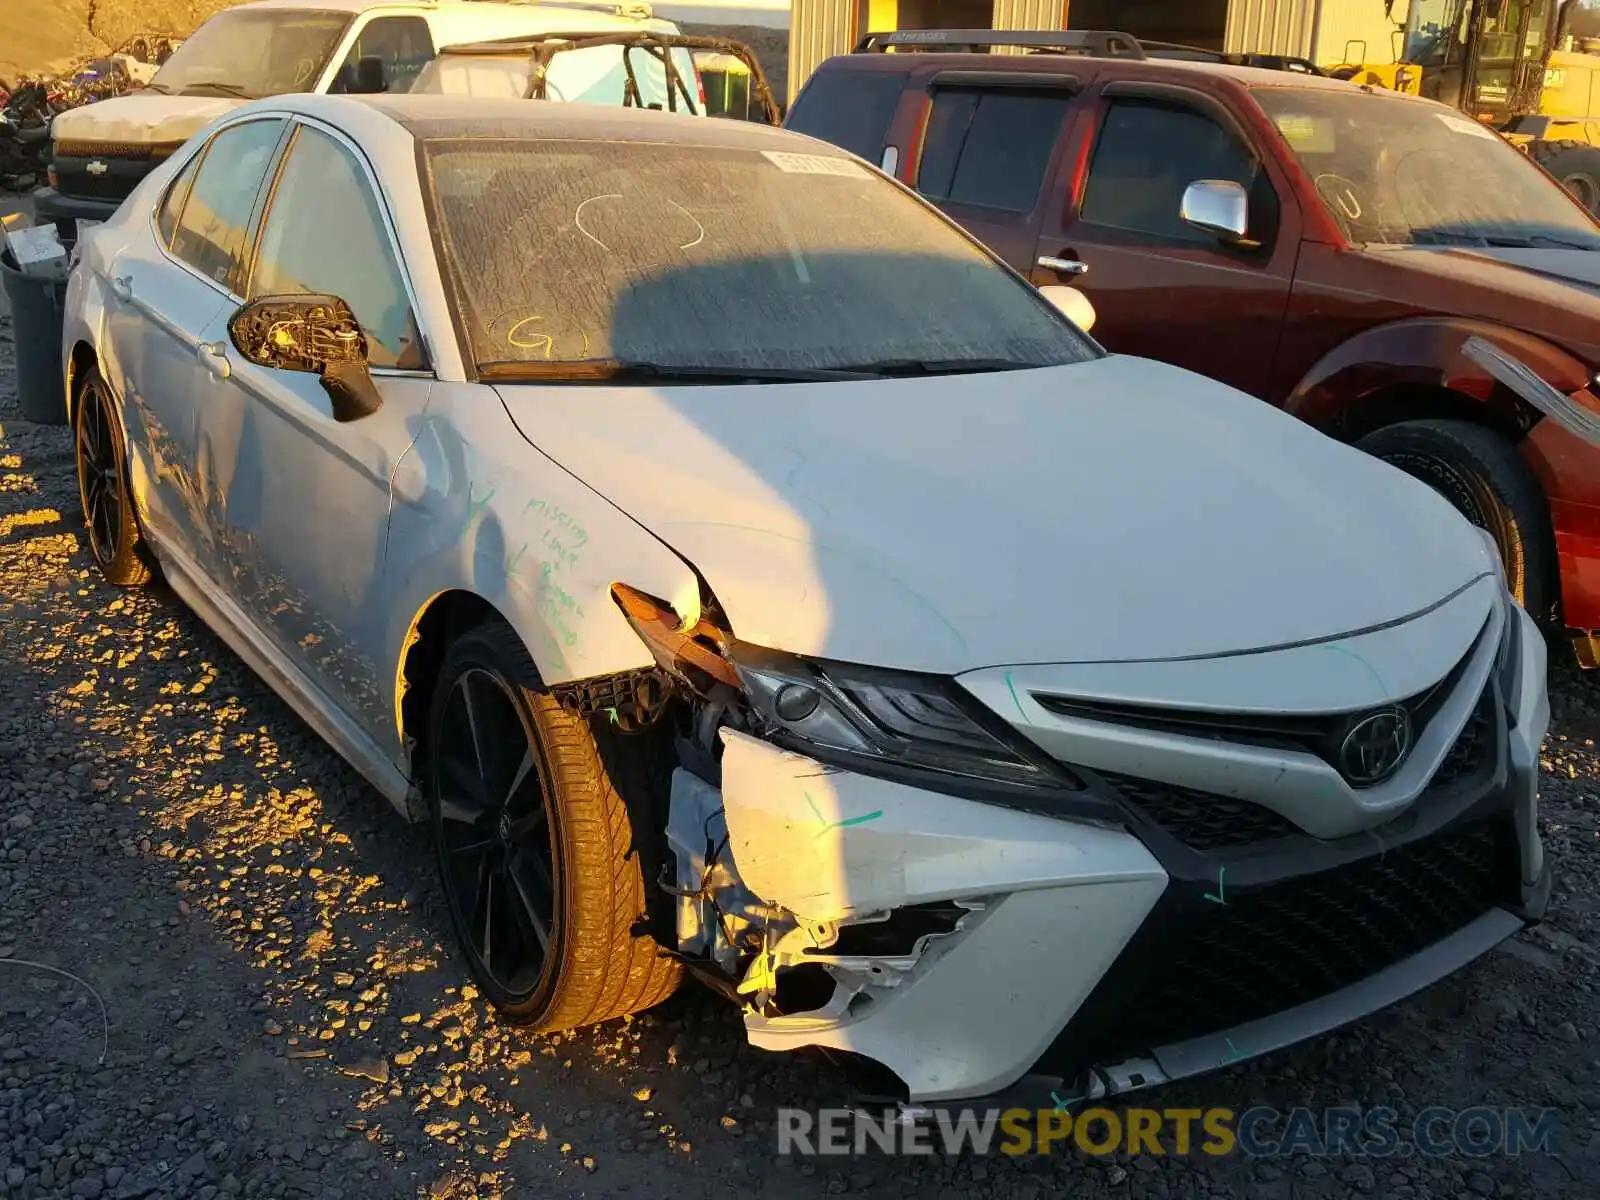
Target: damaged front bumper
979 951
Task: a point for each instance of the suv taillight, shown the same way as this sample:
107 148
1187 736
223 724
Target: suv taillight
51 177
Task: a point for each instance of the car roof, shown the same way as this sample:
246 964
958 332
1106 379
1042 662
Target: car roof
436 116
1077 64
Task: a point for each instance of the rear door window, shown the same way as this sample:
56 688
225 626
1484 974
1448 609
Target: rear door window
172 203
990 148
211 232
851 109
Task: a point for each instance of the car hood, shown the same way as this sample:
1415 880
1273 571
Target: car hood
1119 509
142 118
1544 276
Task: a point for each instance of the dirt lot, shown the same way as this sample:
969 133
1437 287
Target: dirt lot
50 35
286 1016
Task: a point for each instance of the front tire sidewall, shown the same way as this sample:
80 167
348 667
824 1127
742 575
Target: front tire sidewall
1483 478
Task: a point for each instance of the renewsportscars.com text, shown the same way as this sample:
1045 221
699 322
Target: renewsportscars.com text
1256 1132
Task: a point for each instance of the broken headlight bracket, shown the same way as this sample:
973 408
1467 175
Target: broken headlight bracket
919 730
631 701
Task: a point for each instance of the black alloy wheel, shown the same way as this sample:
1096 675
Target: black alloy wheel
496 843
108 510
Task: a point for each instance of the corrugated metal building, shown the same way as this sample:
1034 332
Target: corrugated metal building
1325 31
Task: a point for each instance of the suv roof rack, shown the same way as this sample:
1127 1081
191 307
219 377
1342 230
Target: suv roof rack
1092 43
1272 62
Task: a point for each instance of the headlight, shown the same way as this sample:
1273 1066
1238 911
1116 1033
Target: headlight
892 718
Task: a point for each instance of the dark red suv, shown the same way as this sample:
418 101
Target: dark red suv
1390 271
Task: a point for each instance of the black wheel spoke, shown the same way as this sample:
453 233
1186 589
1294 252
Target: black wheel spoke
474 737
483 910
537 869
525 912
472 849
524 828
524 771
461 795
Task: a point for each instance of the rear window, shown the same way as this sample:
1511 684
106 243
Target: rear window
592 75
851 109
565 252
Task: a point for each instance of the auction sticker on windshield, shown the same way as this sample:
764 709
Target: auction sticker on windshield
813 164
1467 125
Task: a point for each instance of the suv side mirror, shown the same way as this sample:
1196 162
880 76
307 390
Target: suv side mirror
317 335
371 79
1218 206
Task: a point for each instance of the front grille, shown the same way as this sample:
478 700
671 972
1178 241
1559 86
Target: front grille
1202 820
1321 735
73 180
143 151
1472 749
1284 944
1205 821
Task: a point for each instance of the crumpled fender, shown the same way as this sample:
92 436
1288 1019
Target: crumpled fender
1429 351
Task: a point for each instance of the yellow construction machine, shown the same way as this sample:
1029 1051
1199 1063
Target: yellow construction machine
1509 63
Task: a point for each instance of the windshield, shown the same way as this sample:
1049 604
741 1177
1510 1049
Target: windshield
681 256
248 54
1394 171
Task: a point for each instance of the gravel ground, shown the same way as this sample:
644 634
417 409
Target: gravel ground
286 1016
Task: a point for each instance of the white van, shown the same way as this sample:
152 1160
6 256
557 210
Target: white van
270 47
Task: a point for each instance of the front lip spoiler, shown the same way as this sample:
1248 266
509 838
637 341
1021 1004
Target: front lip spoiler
1211 1052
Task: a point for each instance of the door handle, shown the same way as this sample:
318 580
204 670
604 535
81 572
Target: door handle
122 287
1067 266
213 357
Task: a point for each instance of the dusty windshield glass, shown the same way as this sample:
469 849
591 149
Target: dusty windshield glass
252 54
1400 172
682 256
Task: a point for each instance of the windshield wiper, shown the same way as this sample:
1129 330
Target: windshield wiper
227 89
159 88
1509 241
1535 241
891 367
635 371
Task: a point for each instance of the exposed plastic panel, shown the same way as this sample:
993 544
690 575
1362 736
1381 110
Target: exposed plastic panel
828 844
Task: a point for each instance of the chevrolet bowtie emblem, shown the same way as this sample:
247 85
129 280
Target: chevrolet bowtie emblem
97 168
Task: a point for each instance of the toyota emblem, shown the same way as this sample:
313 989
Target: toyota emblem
1375 746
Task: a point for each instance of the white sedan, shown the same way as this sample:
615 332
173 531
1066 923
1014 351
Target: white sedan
730 564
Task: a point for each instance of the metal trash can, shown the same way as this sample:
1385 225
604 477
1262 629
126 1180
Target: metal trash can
38 310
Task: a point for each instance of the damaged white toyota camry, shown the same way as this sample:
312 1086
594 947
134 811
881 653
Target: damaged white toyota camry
739 570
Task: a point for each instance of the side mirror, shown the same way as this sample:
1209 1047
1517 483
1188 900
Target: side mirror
371 78
317 335
1071 303
1218 206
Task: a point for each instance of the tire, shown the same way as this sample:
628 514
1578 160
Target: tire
1482 475
1576 167
101 454
561 939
